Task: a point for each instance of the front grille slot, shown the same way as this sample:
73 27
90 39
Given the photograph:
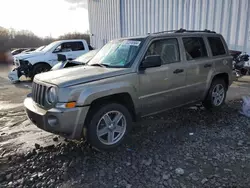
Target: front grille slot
42 98
38 93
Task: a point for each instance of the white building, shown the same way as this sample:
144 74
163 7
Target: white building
111 19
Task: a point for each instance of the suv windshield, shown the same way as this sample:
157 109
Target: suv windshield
118 53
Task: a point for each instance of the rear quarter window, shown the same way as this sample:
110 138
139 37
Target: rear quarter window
77 46
216 46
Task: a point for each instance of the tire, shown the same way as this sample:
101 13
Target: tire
210 101
39 68
97 126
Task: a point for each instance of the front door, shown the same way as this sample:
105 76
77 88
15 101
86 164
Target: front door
161 87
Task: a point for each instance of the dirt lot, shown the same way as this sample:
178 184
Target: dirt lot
187 147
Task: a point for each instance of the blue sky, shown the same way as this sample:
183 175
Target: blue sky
45 17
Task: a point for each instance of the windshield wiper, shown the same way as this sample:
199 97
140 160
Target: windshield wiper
99 65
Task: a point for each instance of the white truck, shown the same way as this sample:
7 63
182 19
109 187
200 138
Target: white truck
41 61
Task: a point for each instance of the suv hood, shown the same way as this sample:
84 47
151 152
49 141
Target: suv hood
28 55
79 75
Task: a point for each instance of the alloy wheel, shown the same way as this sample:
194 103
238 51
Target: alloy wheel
218 95
111 127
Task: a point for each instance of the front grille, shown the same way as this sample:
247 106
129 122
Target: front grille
38 93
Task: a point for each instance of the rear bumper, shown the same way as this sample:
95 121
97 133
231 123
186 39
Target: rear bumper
68 123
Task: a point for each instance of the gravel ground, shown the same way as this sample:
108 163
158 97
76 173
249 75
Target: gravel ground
185 147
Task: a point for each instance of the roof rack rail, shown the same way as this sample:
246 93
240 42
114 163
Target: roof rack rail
164 31
181 30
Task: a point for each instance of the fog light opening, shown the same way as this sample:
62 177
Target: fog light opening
53 121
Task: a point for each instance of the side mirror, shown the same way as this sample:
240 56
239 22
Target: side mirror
151 61
61 57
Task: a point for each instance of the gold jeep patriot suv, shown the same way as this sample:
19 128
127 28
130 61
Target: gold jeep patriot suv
130 78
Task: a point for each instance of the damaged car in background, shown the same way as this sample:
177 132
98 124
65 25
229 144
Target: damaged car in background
31 50
30 64
82 60
28 50
17 51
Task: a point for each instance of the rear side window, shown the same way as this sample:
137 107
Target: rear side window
195 47
168 49
216 46
76 46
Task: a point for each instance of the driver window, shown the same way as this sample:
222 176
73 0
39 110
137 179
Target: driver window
168 49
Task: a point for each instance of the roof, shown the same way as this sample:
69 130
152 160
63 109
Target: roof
179 32
71 40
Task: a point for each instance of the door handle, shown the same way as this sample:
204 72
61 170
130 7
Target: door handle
207 65
178 71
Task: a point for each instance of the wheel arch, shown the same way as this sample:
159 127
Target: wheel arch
221 75
123 98
40 63
37 64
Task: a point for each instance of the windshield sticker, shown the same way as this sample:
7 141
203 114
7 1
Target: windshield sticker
132 42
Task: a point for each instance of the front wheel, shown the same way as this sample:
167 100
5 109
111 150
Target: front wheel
216 95
108 126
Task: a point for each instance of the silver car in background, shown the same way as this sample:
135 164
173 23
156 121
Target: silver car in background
81 60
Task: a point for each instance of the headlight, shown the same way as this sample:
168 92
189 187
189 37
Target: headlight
16 62
51 95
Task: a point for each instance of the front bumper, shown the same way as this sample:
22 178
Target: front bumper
13 75
68 123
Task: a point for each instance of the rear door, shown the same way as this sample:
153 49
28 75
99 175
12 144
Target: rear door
198 66
162 87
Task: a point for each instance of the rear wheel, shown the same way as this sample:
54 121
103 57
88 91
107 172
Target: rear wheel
39 68
216 95
108 126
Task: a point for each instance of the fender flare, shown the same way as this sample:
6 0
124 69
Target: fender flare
212 75
91 94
